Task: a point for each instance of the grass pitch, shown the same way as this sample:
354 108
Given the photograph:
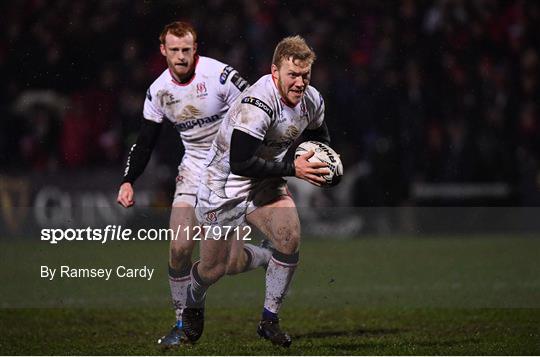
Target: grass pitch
453 296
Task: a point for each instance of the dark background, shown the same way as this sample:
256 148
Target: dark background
419 94
430 103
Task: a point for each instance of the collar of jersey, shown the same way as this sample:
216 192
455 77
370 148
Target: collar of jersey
192 77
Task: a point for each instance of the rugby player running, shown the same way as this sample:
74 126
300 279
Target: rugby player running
243 180
194 93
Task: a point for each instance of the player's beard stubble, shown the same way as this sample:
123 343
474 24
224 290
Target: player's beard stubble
285 92
183 71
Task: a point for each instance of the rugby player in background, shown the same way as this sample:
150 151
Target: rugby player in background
243 181
194 93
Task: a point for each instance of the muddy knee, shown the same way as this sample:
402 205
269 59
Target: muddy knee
211 272
287 239
180 257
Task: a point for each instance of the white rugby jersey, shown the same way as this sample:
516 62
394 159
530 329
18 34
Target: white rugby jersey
260 112
197 107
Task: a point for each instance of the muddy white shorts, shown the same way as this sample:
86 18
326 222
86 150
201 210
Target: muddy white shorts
187 182
231 209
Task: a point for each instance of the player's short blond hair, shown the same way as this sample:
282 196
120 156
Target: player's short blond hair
294 47
179 29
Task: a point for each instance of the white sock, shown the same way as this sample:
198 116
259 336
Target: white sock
278 277
257 256
178 282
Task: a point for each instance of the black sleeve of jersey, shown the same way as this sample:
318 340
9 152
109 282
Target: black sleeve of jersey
140 152
245 163
320 134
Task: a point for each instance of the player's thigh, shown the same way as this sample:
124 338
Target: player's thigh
279 222
184 227
237 258
219 217
214 252
236 247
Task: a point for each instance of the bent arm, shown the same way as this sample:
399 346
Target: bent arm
245 163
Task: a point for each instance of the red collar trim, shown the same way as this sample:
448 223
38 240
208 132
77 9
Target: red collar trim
192 78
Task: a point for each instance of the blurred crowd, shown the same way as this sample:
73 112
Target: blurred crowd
416 91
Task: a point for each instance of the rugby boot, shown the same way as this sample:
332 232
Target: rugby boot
174 338
193 318
270 330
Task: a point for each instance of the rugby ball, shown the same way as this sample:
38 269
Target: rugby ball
323 153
